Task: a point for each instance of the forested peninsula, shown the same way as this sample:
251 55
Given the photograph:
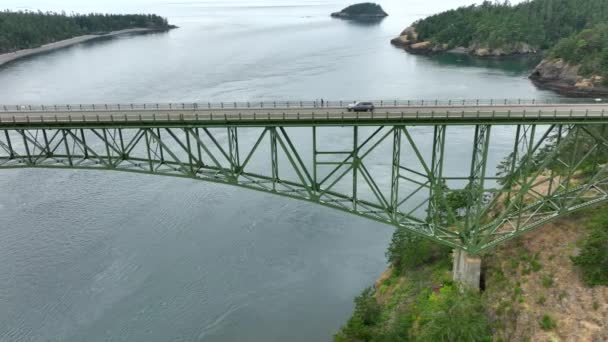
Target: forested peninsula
25 33
571 33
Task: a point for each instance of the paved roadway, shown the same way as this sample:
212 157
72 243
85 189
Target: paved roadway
300 115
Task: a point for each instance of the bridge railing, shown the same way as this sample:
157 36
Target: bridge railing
262 117
291 104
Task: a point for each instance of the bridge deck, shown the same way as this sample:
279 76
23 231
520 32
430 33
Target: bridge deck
179 115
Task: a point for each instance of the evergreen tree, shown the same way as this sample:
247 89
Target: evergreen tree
25 29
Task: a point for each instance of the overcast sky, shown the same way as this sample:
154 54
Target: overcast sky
151 5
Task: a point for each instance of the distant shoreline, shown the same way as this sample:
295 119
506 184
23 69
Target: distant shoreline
12 56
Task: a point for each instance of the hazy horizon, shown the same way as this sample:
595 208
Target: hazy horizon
393 7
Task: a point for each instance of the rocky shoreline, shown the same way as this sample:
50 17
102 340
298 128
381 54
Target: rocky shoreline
13 56
554 75
408 40
559 76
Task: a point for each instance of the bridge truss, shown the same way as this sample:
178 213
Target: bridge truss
469 186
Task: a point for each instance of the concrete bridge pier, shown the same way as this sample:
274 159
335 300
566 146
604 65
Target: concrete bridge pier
467 269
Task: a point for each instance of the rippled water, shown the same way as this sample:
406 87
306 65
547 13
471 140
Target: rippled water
108 256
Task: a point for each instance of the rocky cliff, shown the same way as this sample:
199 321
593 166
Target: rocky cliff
558 75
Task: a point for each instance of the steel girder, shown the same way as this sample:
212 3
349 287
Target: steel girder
387 174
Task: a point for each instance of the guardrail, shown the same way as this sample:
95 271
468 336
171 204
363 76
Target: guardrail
291 104
294 117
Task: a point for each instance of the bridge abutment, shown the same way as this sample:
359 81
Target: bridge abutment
467 269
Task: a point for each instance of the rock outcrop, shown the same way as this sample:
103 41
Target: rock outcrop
562 77
409 40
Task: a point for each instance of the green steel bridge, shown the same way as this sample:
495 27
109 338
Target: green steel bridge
406 164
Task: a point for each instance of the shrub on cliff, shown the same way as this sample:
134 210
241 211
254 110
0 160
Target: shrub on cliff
408 251
452 316
360 327
593 258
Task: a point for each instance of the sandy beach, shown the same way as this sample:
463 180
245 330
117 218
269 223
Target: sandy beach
11 56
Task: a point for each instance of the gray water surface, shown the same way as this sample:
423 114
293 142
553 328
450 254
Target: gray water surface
97 256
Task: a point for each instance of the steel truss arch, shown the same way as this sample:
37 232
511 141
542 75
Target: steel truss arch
390 174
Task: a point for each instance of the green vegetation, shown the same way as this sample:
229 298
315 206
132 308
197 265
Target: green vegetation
362 9
541 300
366 315
593 258
539 23
547 322
24 30
452 316
408 251
418 302
547 281
589 49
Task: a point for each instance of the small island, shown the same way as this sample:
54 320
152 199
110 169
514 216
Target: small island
572 36
362 11
26 33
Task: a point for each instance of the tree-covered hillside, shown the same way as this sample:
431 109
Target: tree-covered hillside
589 49
22 30
539 23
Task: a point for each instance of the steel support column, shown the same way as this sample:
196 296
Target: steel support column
475 187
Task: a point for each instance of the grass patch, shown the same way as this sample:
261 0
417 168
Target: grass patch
547 323
547 281
535 265
541 300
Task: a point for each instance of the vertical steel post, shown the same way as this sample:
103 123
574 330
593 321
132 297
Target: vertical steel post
189 152
46 143
122 145
529 158
572 162
27 148
436 186
476 183
557 145
107 143
198 147
84 144
274 160
10 145
315 185
395 173
160 147
355 163
233 146
149 150
67 148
